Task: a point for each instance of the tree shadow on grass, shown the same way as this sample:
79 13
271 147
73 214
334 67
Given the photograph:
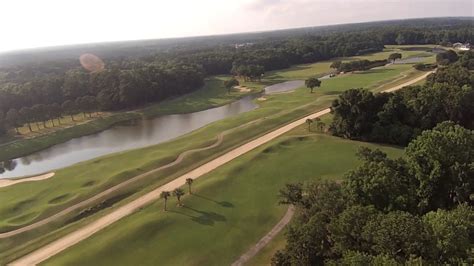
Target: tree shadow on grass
225 204
202 217
206 218
374 71
332 92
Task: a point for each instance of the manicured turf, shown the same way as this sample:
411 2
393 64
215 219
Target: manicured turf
232 208
28 202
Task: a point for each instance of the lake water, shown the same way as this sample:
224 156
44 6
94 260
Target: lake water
137 134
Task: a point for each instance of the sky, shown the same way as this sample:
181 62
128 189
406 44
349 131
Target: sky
41 23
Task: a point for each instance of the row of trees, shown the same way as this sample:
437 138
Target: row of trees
178 193
357 65
414 209
79 91
248 72
401 116
41 113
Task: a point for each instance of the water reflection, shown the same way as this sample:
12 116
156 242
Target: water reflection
136 134
284 86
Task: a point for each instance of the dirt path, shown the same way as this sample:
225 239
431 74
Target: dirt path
266 239
408 83
75 237
5 182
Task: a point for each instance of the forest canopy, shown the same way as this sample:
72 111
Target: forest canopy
152 71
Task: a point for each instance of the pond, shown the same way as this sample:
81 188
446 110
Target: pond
137 134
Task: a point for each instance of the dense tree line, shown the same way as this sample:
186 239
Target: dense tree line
357 65
417 208
401 116
79 91
177 67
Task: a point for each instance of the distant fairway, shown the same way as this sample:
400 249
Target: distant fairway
233 206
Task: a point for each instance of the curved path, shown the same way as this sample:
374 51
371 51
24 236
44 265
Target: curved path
5 182
86 231
267 238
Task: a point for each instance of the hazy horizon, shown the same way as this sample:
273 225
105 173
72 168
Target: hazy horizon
58 23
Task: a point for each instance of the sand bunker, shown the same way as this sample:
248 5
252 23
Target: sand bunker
10 182
242 88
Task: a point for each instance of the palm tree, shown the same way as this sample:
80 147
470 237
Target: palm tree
317 121
322 126
165 195
309 121
189 181
178 193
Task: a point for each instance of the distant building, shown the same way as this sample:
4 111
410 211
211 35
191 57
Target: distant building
242 45
462 46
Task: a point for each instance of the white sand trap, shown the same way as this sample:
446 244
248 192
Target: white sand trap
242 88
261 99
10 182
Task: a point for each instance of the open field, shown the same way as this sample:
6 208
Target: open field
225 204
50 196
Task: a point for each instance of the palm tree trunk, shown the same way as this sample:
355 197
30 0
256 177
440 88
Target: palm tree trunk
29 126
72 118
165 204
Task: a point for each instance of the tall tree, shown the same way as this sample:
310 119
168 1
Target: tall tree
441 160
13 119
309 121
229 84
394 56
312 83
69 107
26 115
189 182
165 195
178 193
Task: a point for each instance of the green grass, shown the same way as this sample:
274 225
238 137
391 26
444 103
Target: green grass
212 95
233 208
25 203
